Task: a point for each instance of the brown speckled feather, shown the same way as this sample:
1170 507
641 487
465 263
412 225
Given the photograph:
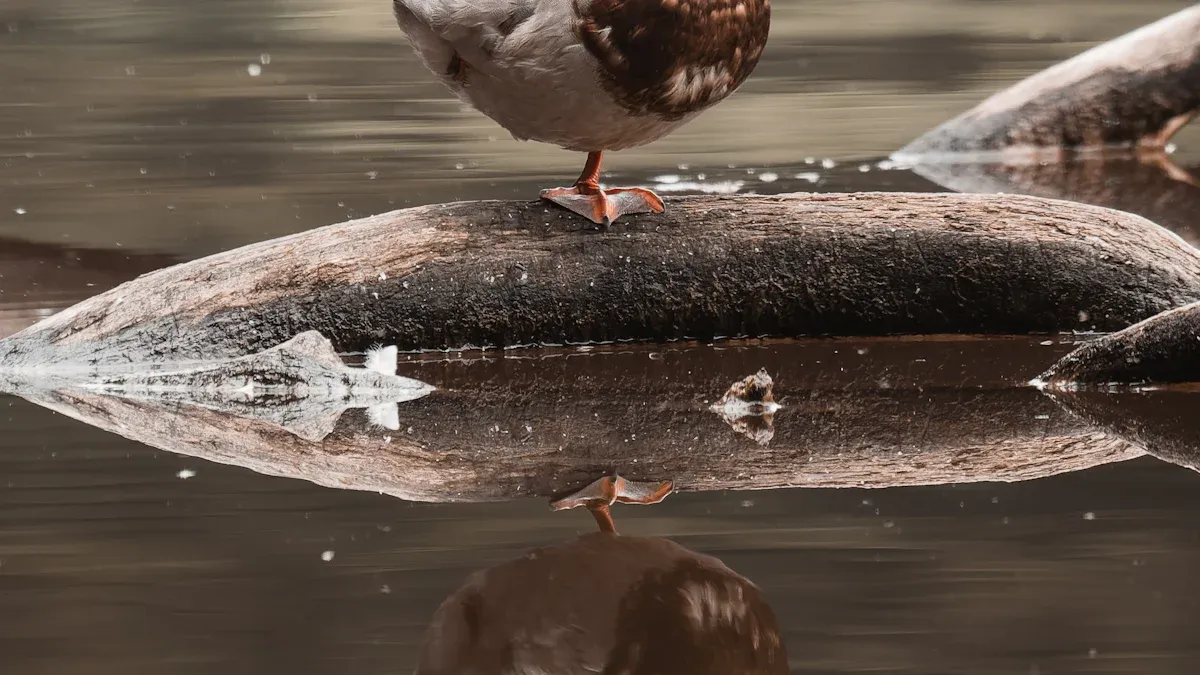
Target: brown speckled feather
673 57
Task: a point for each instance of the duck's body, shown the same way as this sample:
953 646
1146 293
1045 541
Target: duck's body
589 75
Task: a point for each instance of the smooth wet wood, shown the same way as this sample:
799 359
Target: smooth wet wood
500 274
1160 350
1136 90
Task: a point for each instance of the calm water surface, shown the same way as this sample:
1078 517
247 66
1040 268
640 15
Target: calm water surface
135 134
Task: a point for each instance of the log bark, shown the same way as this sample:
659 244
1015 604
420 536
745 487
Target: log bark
501 428
1160 350
1136 90
501 274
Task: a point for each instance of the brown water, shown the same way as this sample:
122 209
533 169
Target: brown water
133 134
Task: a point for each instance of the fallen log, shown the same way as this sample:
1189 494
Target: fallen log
500 428
1162 349
1135 91
502 274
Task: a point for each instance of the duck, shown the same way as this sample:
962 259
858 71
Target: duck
589 76
606 603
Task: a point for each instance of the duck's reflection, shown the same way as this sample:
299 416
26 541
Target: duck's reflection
605 603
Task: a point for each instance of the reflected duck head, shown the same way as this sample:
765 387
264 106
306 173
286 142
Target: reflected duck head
606 603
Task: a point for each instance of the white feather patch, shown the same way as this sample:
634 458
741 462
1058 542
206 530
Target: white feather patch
386 415
383 360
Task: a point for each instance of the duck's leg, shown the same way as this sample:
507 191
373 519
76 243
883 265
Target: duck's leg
603 493
602 206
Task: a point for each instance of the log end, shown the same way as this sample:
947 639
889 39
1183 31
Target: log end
1164 349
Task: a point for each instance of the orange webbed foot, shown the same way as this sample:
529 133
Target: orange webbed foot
603 493
603 207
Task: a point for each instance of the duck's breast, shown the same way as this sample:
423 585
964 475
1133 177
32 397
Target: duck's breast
541 83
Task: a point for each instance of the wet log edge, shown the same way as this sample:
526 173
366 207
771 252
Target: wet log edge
503 274
1163 349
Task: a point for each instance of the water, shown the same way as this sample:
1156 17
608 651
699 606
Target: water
137 134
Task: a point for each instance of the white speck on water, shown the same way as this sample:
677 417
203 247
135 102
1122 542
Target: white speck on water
810 176
666 178
1046 343
828 163
327 556
1092 653
254 69
19 211
995 500
385 589
264 58
1089 516
131 70
372 175
889 524
142 171
1170 148
185 474
810 160
861 351
864 168
312 97
405 284
768 177
459 166
1041 417
1084 317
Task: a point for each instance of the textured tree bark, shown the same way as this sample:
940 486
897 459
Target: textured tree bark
1162 349
500 274
1134 91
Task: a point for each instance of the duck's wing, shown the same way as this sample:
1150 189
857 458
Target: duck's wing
472 29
